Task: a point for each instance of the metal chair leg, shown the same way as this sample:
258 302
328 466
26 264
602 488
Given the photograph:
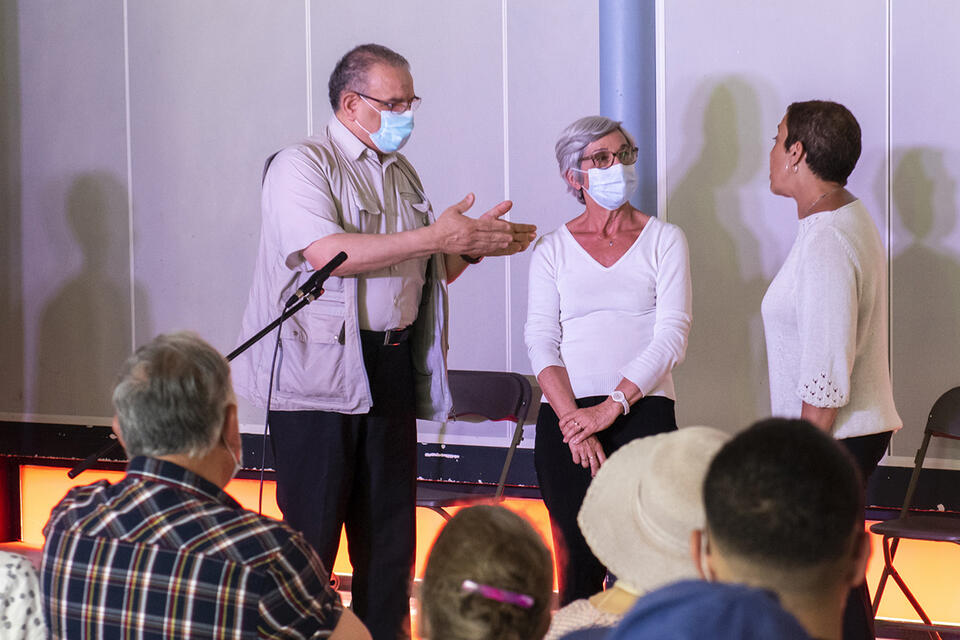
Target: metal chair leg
888 552
879 594
517 437
440 510
886 571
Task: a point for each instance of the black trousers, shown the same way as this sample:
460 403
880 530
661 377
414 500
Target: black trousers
359 471
563 485
858 614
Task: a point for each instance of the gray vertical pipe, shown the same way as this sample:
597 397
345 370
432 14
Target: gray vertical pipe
628 83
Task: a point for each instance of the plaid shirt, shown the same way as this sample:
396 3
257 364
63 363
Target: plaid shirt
165 553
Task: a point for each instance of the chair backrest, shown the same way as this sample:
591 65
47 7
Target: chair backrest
943 422
944 418
494 395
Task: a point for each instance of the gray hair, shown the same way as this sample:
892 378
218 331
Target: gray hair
351 71
575 139
172 396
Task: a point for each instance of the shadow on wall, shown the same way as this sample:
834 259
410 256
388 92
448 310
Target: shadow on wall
925 299
723 381
11 253
85 328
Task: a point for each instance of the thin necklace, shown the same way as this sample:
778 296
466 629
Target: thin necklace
822 196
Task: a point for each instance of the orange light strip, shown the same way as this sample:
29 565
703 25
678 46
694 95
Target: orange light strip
927 567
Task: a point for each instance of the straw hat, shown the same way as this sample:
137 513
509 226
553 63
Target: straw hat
644 502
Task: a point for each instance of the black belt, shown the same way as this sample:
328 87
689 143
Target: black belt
388 338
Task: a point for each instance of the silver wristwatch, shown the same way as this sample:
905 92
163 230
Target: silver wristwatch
618 396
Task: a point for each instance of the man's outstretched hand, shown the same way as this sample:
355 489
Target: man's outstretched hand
487 235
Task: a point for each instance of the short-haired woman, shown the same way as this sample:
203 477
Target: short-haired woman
607 320
489 576
825 313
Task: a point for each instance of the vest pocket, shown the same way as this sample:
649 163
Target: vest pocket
311 363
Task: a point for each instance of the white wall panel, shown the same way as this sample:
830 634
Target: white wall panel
926 237
12 378
215 88
454 50
726 90
73 207
553 52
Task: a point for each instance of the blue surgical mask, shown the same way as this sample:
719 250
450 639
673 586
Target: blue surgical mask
613 186
394 131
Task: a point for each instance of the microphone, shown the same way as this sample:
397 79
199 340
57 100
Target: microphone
315 282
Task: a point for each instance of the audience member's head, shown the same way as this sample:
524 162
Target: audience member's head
784 506
175 400
645 501
488 576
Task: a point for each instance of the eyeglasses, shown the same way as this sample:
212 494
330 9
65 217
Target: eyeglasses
396 107
603 159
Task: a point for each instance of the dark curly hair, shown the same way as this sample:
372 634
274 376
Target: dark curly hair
830 136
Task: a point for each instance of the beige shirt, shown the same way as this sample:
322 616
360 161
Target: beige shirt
387 298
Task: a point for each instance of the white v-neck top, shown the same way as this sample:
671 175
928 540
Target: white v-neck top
629 320
825 320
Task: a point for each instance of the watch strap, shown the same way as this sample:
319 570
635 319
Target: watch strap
618 396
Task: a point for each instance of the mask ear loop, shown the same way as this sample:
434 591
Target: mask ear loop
237 465
704 551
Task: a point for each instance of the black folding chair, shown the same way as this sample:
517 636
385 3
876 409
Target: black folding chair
493 395
943 422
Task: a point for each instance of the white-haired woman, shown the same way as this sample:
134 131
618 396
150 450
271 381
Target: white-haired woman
607 320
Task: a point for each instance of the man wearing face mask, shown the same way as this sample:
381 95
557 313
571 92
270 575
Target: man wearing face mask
364 361
165 551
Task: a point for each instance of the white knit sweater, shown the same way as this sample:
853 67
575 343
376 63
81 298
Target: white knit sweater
825 319
629 320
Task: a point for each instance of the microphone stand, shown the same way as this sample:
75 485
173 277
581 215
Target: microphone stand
305 298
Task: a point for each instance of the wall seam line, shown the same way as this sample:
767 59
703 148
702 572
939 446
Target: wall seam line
308 50
129 151
888 160
661 86
507 272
